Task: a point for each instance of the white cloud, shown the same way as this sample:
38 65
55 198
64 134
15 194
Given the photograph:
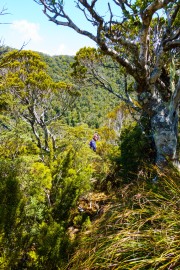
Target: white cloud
60 49
64 50
27 30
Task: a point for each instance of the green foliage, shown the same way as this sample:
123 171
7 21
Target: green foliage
28 81
58 67
37 201
106 149
10 194
34 209
89 107
40 190
11 206
52 246
136 151
33 95
85 56
88 69
72 173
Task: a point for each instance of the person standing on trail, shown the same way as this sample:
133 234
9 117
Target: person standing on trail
92 143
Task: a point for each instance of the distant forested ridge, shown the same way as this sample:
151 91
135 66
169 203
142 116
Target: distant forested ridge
58 66
93 104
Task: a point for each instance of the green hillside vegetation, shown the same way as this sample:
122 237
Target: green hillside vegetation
93 103
58 66
62 205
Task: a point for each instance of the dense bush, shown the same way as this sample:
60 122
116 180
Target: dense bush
136 151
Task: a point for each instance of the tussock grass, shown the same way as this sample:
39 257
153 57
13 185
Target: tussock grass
139 231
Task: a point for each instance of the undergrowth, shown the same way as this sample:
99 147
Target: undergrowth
139 231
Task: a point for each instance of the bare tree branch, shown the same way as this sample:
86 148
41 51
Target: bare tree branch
107 85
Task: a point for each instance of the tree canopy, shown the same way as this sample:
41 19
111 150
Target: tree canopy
143 37
34 96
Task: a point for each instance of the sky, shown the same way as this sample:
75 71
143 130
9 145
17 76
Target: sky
24 22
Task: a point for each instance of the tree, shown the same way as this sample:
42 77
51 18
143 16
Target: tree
143 37
33 96
38 198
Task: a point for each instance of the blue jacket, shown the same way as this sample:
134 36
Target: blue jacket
92 145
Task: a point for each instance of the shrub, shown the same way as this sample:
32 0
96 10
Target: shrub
136 150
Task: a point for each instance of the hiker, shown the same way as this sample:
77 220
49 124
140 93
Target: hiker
92 143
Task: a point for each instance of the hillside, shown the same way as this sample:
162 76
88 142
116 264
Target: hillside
58 66
94 102
64 206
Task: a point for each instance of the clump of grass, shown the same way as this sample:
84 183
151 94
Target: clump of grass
139 231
